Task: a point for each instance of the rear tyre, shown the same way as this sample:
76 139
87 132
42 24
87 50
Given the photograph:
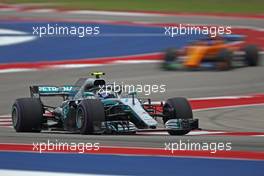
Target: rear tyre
169 57
27 115
224 60
251 55
89 116
177 108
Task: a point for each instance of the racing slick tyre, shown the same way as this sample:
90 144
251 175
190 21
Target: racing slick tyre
27 115
169 57
89 116
224 60
251 55
177 108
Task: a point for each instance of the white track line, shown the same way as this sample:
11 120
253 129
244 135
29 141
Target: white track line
6 120
5 115
65 66
5 123
74 66
41 10
16 70
228 107
135 61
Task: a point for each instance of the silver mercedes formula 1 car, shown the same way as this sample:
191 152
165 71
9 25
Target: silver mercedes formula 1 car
91 107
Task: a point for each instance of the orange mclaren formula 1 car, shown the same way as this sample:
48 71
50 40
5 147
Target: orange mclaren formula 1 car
217 53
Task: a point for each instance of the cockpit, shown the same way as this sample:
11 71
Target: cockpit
97 88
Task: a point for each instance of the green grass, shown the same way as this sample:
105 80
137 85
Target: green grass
226 6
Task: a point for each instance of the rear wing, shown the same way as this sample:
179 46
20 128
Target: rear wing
64 91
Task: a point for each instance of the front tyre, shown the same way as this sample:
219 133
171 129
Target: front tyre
177 108
89 116
27 115
251 55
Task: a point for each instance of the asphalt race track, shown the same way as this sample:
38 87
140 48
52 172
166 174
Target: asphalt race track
189 84
241 81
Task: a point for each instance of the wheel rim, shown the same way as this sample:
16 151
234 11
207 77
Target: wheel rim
14 116
80 118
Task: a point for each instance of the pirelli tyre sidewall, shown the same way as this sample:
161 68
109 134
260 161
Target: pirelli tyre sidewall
27 115
89 116
177 108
